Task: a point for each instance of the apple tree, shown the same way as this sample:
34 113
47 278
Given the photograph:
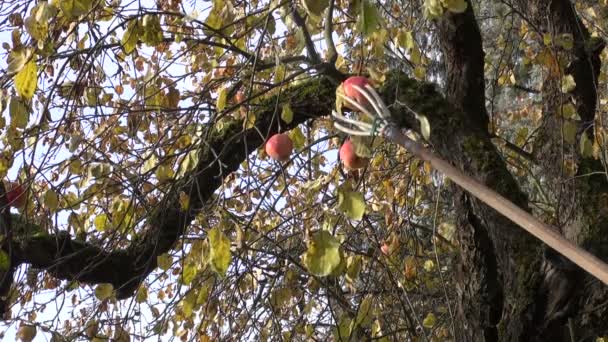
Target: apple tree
149 204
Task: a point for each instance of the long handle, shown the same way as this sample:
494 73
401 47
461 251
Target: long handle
542 231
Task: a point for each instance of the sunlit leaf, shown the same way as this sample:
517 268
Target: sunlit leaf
568 84
26 80
222 97
287 113
351 203
368 19
298 138
364 313
323 254
456 6
104 291
152 31
131 36
101 222
51 200
219 251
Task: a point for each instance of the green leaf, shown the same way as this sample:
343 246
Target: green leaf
26 80
351 203
104 291
569 112
164 261
368 19
222 97
19 112
405 39
364 314
131 35
72 9
586 146
188 273
323 254
569 130
298 138
152 31
354 268
142 294
5 262
219 251
51 200
429 321
315 7
433 9
287 113
279 73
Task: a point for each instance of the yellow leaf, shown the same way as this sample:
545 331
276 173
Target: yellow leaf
101 222
26 80
222 96
287 113
219 251
184 201
351 203
568 84
104 291
164 261
429 321
455 6
51 200
131 35
323 254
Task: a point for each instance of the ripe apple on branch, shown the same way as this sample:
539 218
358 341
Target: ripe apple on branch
279 147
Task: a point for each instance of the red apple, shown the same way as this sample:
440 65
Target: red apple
350 159
279 147
15 194
353 93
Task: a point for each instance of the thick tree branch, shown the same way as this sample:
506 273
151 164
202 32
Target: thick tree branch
67 258
492 247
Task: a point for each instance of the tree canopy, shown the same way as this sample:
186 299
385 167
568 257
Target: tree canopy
136 131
